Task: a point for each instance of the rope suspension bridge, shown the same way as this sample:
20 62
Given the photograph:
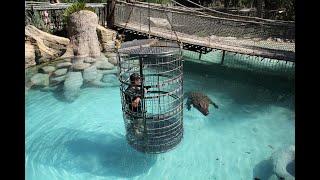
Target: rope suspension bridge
196 30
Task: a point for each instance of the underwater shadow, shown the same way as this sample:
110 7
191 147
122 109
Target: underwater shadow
115 157
58 93
263 170
86 152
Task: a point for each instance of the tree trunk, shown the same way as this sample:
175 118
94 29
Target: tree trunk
82 28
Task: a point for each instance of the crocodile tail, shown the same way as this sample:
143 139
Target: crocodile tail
186 94
214 104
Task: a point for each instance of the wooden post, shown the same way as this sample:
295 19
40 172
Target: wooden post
222 59
110 13
105 15
200 55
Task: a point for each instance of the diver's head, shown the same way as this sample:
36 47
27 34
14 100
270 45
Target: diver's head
135 79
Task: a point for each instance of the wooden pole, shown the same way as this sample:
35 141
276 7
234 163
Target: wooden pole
200 55
110 13
222 59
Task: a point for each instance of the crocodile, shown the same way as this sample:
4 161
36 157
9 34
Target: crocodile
200 101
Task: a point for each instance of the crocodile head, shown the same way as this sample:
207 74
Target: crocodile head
202 107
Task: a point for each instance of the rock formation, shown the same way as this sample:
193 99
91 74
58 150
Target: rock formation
72 85
30 58
107 38
46 46
283 163
83 63
82 26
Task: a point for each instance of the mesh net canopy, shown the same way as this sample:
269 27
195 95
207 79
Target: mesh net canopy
155 123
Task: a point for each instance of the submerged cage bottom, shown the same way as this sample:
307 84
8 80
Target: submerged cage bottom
159 137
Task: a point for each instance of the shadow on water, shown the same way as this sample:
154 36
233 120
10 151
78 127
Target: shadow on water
87 152
263 170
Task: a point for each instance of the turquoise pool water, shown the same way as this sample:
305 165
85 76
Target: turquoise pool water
85 139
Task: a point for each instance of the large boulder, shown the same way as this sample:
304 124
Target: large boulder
106 38
111 80
64 65
40 79
79 66
112 71
57 80
47 69
283 162
72 85
90 60
90 74
97 82
47 46
112 58
82 26
60 72
104 65
29 54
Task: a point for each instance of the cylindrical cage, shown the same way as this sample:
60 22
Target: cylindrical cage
151 76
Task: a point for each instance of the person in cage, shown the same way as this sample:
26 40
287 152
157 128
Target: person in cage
133 95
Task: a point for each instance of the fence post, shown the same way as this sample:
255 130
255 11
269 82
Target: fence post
222 59
110 13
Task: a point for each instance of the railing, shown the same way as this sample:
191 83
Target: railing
188 22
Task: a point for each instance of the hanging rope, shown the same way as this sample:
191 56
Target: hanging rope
235 16
121 37
149 27
172 29
200 28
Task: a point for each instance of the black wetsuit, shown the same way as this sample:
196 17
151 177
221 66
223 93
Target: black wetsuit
134 114
131 94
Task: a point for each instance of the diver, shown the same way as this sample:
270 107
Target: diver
133 95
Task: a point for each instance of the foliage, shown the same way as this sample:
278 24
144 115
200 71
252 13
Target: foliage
34 18
75 7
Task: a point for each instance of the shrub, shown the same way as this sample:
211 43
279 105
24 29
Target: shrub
75 7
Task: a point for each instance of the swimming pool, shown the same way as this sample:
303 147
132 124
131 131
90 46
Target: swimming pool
85 139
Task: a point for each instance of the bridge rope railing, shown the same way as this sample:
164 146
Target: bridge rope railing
228 15
267 30
216 13
229 34
284 26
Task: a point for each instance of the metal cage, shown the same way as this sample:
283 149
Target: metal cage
156 124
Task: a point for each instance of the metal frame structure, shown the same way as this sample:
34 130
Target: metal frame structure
160 118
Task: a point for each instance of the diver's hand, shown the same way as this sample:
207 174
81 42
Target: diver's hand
135 103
